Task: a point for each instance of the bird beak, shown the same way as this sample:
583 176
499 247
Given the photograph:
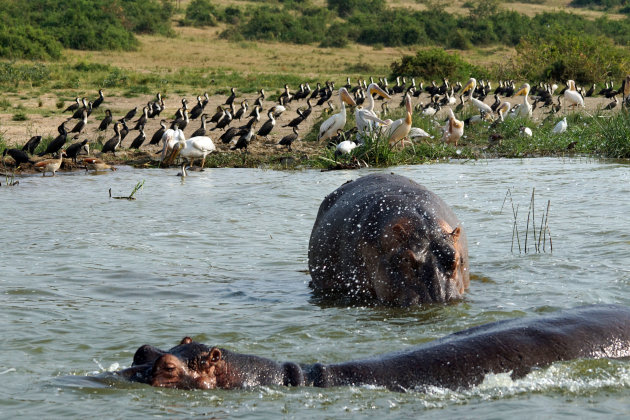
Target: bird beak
521 91
345 96
468 86
377 89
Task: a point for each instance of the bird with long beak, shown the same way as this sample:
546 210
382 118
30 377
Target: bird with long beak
399 129
503 109
191 149
454 129
366 118
571 96
336 121
471 85
525 110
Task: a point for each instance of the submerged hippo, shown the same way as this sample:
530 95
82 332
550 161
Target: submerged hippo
458 360
387 239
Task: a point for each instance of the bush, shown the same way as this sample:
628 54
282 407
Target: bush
201 13
584 58
24 41
435 63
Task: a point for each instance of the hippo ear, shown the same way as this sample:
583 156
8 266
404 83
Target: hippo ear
456 233
215 355
186 340
400 231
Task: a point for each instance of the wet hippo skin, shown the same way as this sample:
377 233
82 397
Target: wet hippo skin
384 238
458 360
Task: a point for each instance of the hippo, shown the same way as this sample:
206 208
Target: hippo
459 360
388 240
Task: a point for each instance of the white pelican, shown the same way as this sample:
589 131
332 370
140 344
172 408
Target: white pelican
561 127
400 128
365 124
418 133
337 121
454 129
525 110
470 86
193 148
571 96
169 139
502 109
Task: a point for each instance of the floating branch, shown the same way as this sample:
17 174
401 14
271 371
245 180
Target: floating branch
130 196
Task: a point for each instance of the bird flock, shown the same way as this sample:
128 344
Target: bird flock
237 120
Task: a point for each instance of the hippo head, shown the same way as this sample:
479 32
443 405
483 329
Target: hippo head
422 261
189 365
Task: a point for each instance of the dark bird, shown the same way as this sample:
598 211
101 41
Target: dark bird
225 121
268 125
231 133
295 121
124 130
81 125
259 100
74 106
142 121
590 92
19 156
201 131
112 144
241 111
157 106
612 104
157 136
106 121
289 139
58 142
137 142
308 110
79 112
286 96
230 99
197 109
218 115
183 121
245 139
98 101
129 116
73 150
32 144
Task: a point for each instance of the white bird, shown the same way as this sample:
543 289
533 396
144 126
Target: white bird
337 121
345 147
365 116
400 128
472 85
169 140
193 148
503 109
454 129
525 110
525 131
571 96
561 127
418 133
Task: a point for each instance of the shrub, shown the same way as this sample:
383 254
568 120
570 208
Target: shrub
584 58
435 63
201 13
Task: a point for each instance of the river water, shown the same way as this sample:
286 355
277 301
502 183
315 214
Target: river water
222 256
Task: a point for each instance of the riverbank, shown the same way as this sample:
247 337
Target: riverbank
588 129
